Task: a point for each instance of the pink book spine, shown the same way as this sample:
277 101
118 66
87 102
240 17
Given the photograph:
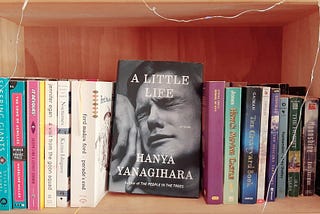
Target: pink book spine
33 144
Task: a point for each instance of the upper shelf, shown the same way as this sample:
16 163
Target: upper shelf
136 12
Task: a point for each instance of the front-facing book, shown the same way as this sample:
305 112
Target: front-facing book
157 129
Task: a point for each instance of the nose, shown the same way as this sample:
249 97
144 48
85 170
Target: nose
154 118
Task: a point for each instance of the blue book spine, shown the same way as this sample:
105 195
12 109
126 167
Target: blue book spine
18 143
282 146
5 156
250 141
273 141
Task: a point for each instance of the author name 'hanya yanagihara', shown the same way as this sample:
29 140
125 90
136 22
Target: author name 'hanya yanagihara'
153 172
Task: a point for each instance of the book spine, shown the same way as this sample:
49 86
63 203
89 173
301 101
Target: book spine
273 141
18 144
42 142
250 140
33 143
283 143
79 146
5 152
63 145
232 144
310 135
263 143
51 144
295 126
215 141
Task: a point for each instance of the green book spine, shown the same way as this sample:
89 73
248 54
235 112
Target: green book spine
294 153
232 144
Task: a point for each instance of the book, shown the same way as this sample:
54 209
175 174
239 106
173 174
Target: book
309 146
213 140
51 116
63 144
91 109
284 87
283 144
273 141
162 155
250 140
294 154
18 143
42 106
33 144
232 124
5 147
264 125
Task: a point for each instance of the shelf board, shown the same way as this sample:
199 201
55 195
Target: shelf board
115 203
135 13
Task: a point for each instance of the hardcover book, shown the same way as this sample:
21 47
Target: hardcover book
294 154
250 141
51 116
213 140
63 144
33 144
5 148
283 144
91 109
18 143
263 143
273 141
232 124
157 128
309 151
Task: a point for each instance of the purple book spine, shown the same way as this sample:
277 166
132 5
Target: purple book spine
213 115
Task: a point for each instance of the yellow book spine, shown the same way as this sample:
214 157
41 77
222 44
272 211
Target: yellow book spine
42 143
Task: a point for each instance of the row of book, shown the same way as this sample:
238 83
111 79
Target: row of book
37 140
66 142
248 133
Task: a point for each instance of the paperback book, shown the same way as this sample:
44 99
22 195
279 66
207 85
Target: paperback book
232 144
273 141
63 144
294 154
5 150
309 146
283 143
18 143
159 104
250 141
91 109
264 121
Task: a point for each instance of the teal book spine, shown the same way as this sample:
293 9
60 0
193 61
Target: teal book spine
232 144
282 146
18 143
5 156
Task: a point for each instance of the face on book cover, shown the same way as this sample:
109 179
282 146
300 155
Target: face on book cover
170 123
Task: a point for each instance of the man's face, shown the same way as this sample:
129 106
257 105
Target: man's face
169 126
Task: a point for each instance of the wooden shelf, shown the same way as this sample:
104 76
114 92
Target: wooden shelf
86 38
135 13
114 203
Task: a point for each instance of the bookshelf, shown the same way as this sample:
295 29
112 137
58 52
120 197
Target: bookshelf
85 39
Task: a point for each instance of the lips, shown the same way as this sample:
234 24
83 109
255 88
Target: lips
158 139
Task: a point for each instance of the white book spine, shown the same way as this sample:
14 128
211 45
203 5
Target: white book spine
91 120
63 145
263 143
51 143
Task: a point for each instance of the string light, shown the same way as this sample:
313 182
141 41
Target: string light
154 10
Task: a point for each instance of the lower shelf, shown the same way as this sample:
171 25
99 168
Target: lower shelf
114 203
